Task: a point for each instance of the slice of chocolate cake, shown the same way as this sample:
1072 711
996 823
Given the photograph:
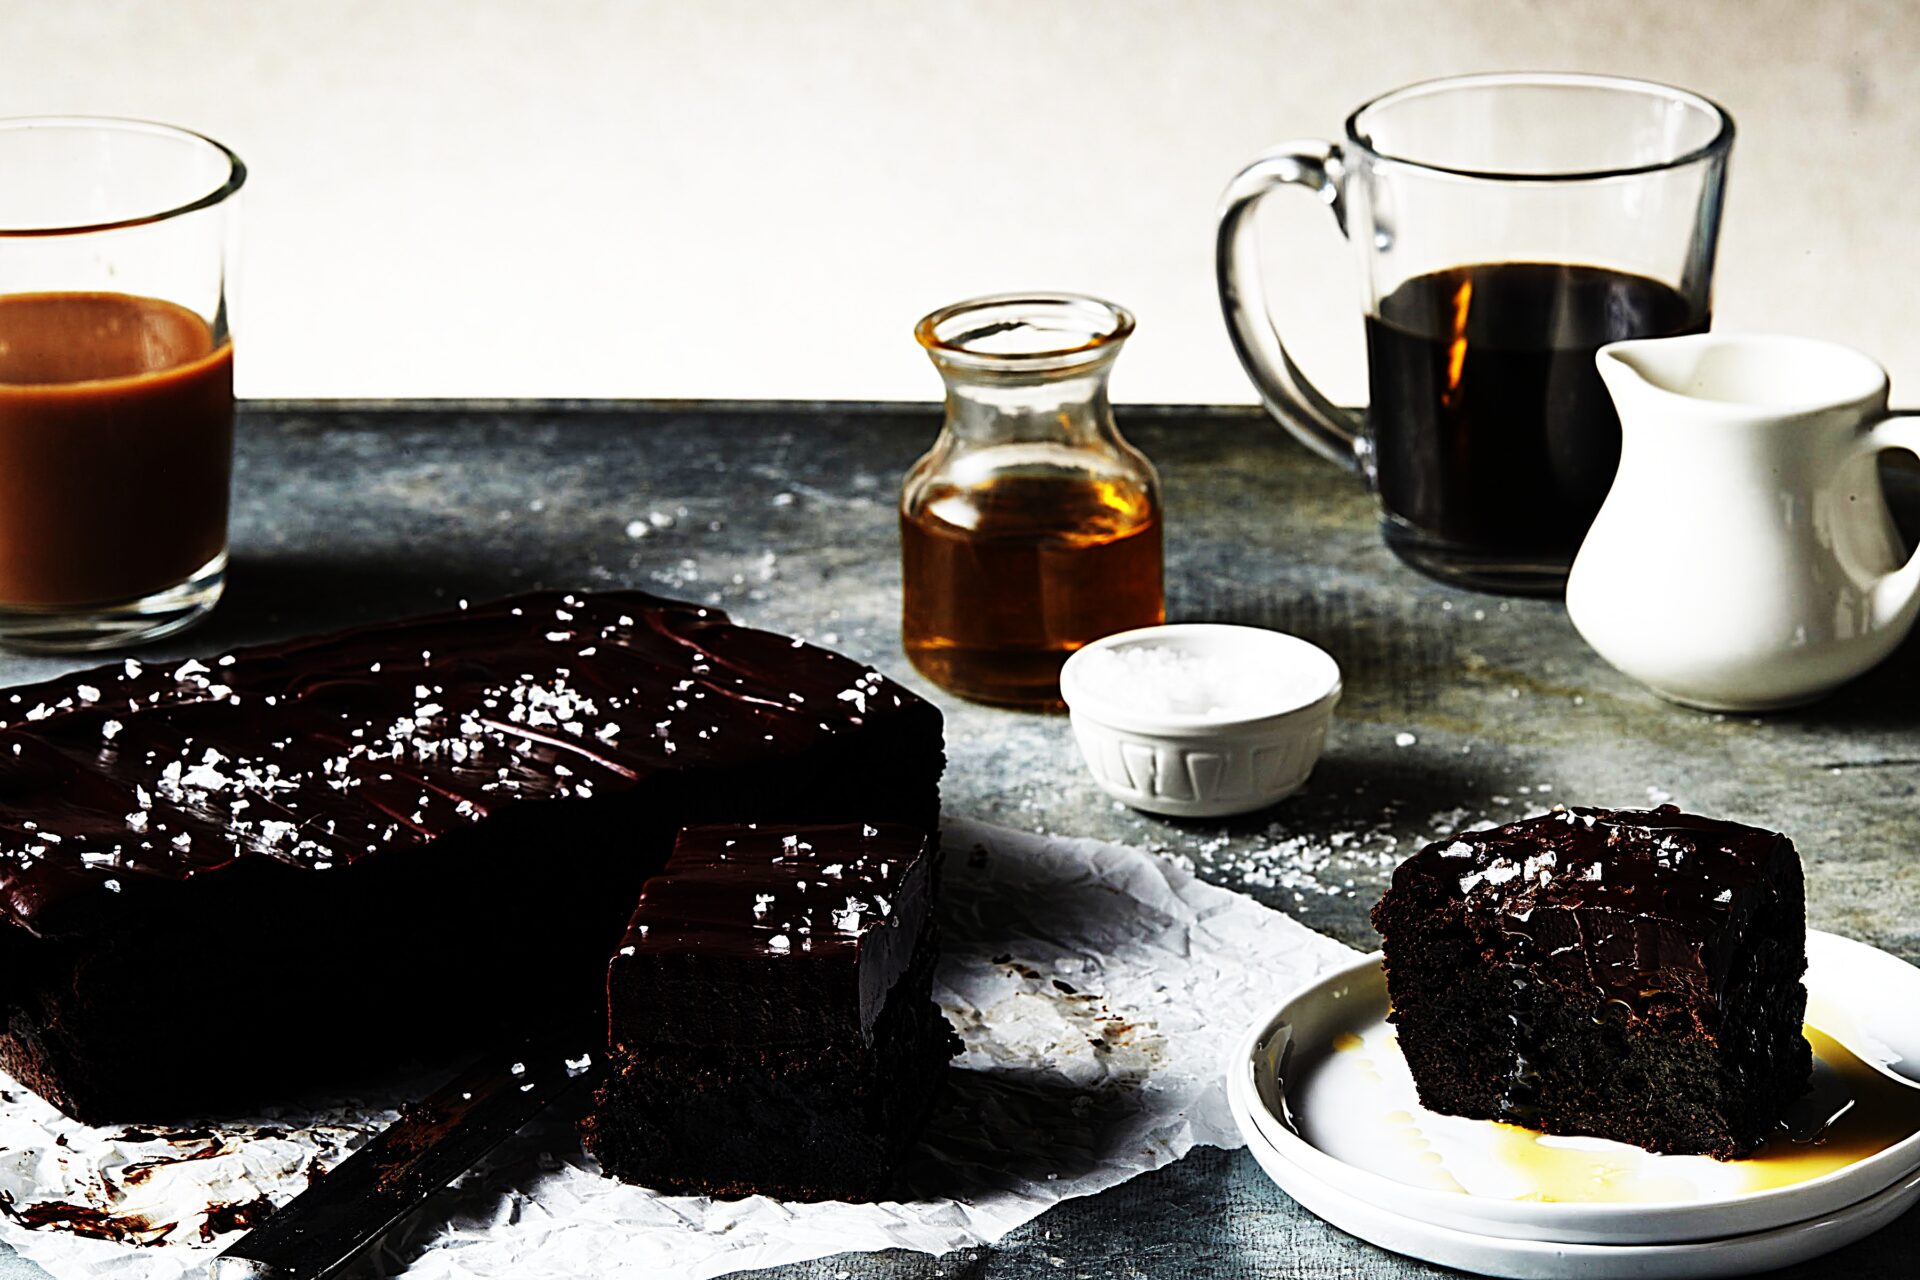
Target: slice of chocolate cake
221 880
770 1028
1619 974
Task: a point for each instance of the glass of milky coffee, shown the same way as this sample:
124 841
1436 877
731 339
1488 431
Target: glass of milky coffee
116 379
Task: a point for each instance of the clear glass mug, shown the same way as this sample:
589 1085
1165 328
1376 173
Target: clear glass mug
116 379
1507 226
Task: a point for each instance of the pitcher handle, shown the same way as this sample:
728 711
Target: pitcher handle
1328 429
1896 597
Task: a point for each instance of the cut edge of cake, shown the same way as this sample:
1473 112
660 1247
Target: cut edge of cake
785 1075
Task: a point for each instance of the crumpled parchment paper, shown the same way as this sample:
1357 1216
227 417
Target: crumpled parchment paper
1097 988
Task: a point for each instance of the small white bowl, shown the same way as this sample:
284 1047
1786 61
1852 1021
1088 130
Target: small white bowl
1204 762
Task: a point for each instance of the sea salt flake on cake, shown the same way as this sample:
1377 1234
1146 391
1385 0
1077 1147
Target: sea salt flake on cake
273 831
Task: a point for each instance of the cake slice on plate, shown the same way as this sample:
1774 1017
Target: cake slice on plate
1619 974
770 1027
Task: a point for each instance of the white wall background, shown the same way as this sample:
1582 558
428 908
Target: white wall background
745 199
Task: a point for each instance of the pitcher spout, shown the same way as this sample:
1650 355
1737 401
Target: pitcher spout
1661 362
1672 365
1753 374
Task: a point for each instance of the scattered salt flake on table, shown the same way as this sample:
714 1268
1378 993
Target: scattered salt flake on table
1097 989
1341 863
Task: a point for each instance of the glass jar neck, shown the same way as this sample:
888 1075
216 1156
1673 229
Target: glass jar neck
988 407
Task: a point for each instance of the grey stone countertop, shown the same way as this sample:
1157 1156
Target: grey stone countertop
1458 707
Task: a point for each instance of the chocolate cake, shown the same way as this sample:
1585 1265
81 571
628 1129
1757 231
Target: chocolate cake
770 1028
222 879
1620 974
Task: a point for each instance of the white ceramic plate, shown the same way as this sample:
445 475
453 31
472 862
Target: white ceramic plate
1348 1119
1488 1255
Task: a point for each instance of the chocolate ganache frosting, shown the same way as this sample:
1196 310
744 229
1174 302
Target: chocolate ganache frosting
125 783
1633 904
771 933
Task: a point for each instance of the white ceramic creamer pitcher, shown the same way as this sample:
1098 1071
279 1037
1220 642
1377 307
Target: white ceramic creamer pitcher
1744 559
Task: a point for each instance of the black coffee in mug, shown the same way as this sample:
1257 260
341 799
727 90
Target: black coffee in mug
1474 206
1491 431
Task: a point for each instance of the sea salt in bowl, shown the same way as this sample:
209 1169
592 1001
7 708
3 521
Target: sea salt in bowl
1200 719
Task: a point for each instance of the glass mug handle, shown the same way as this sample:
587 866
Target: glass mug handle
1328 429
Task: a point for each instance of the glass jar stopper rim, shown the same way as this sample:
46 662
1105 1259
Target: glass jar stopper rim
1025 329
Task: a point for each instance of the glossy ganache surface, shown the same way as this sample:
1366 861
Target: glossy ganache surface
771 933
132 780
1628 903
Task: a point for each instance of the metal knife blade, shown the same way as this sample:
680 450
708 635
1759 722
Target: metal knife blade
433 1142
